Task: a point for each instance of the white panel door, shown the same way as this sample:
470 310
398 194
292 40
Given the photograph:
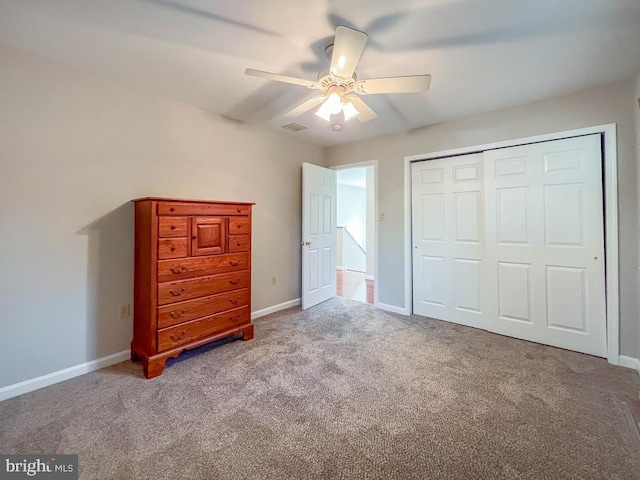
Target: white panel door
448 239
545 243
319 259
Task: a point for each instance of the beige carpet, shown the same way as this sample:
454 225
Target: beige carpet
343 391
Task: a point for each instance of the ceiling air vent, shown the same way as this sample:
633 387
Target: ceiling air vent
294 127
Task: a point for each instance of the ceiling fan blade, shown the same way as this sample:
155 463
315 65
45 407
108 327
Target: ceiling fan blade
347 50
281 78
366 113
305 106
410 84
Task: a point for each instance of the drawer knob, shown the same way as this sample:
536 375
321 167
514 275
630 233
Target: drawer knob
238 225
194 237
175 270
173 227
178 315
234 282
234 301
172 209
175 337
173 248
239 210
239 244
175 294
235 319
234 263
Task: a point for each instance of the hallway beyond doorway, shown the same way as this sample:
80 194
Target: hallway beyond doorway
354 285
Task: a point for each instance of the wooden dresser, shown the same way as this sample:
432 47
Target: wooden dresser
192 277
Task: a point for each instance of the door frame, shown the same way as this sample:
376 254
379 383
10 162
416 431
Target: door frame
374 164
610 194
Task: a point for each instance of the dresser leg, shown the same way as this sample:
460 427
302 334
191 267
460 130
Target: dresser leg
247 332
153 367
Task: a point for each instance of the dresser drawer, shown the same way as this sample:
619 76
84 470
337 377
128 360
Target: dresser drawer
172 292
239 243
172 248
174 208
171 270
239 226
190 331
201 307
172 226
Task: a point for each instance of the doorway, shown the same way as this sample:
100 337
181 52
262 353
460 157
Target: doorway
356 232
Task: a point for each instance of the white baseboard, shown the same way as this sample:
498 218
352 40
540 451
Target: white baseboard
275 308
32 384
392 308
629 362
37 383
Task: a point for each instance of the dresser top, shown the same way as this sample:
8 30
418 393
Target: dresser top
185 200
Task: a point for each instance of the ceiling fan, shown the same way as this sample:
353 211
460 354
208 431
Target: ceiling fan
339 84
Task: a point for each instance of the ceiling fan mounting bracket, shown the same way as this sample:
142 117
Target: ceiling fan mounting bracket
327 81
328 51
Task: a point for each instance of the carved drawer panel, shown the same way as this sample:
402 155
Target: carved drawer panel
172 292
201 307
172 227
171 270
208 235
187 332
172 248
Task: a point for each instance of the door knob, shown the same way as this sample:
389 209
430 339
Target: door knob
305 243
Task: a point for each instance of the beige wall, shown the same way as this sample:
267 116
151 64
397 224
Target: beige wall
74 149
604 105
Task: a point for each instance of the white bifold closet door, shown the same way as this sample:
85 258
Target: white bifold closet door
538 270
448 240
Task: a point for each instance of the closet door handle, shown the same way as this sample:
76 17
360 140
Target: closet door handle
178 315
176 294
182 269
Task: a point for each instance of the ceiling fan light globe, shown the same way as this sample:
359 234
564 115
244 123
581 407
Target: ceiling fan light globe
349 111
323 112
334 103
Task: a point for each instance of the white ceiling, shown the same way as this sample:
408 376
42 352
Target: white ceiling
483 55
